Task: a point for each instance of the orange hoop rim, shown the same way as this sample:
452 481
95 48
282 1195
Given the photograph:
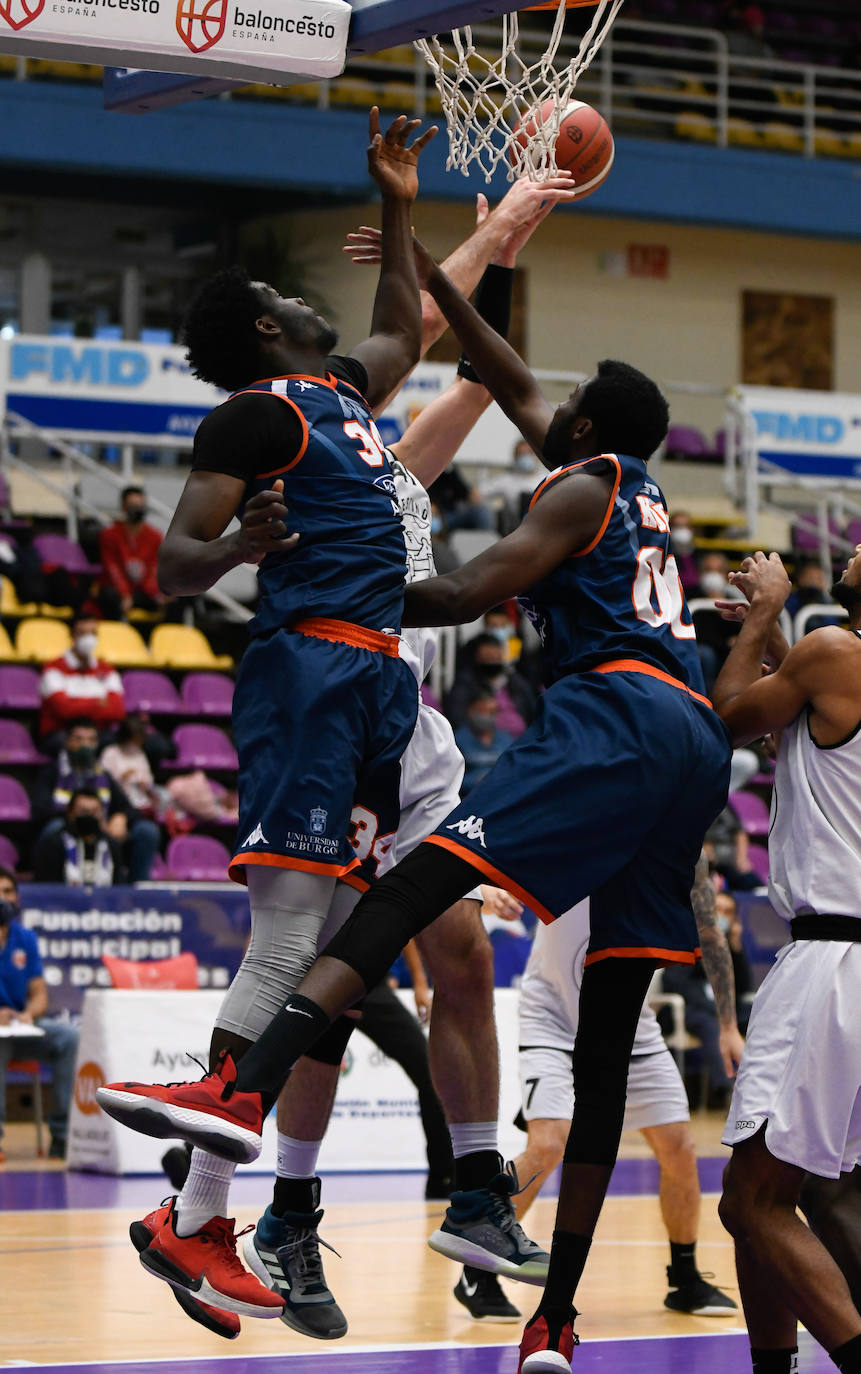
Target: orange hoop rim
569 5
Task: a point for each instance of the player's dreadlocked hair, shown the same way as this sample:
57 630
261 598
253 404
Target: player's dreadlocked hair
628 412
219 332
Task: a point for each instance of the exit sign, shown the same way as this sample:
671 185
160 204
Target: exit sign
648 260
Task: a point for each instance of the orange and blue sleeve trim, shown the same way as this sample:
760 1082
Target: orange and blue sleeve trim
565 472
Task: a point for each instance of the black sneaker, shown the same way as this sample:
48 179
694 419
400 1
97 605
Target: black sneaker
480 1229
698 1298
57 1148
284 1253
483 1298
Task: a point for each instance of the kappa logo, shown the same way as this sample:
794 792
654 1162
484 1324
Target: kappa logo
306 386
200 23
745 1125
472 827
19 13
256 837
317 818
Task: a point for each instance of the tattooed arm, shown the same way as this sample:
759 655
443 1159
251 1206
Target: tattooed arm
717 963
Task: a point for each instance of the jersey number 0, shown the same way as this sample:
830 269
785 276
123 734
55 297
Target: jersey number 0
657 579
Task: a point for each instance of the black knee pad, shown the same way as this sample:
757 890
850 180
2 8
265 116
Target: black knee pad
332 1044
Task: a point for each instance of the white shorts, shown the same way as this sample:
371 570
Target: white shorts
656 1093
801 1067
431 775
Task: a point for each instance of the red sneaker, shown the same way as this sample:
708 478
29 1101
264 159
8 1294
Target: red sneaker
206 1266
210 1113
213 1318
547 1348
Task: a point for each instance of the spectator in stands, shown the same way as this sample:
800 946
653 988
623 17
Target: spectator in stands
24 1000
444 557
129 553
512 488
499 623
713 632
80 852
126 760
701 1020
730 923
726 845
192 798
20 562
480 740
810 588
462 506
75 768
745 32
682 537
80 684
488 672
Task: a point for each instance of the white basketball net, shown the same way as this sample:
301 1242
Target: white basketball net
484 97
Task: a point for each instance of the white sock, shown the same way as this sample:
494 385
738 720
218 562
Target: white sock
469 1136
206 1192
296 1158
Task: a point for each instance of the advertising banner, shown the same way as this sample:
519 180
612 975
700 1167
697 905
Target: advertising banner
229 38
807 433
490 442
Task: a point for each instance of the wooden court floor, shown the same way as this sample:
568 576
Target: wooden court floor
72 1289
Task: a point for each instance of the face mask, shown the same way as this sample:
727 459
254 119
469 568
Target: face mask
482 723
524 462
683 539
85 645
9 912
713 583
500 634
136 514
82 758
724 923
85 827
490 672
436 524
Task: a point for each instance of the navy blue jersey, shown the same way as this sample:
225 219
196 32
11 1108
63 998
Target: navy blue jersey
350 561
621 597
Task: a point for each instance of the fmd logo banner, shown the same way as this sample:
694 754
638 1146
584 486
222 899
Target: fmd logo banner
809 433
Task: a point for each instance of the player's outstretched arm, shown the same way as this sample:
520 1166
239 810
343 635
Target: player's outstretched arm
393 346
196 552
563 522
717 962
437 432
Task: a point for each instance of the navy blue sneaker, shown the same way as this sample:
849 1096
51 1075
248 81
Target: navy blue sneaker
284 1253
481 1230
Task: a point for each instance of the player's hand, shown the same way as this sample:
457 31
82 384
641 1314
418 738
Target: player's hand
497 902
6 1014
263 529
526 205
365 247
392 160
731 1044
424 1002
764 579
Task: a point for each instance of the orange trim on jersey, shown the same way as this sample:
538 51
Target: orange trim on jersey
496 875
330 380
572 467
634 665
666 956
285 861
353 880
343 632
276 472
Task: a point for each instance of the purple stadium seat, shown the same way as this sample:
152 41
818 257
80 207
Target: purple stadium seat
805 538
207 694
685 439
758 855
56 551
14 802
853 534
19 688
16 745
8 854
146 690
202 746
782 21
197 859
702 12
751 811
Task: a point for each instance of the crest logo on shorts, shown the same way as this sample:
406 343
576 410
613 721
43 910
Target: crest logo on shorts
19 13
200 23
317 820
472 827
256 837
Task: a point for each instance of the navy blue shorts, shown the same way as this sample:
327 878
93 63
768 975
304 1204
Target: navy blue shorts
607 795
320 726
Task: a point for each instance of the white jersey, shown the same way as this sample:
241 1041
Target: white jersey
550 988
814 847
418 646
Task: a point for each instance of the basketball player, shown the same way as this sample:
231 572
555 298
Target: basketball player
458 954
657 1104
614 784
796 1106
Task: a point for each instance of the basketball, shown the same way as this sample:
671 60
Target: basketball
584 145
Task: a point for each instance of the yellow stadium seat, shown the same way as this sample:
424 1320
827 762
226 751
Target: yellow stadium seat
183 646
742 133
784 137
40 639
348 91
852 144
7 653
9 603
696 126
121 645
829 144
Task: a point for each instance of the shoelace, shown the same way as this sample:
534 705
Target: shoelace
220 1232
502 1208
302 1248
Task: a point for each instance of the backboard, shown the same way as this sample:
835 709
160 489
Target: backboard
373 25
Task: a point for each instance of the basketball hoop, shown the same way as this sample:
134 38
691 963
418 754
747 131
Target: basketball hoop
484 97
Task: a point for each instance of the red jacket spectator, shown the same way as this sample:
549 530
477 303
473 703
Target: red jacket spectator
80 684
129 554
